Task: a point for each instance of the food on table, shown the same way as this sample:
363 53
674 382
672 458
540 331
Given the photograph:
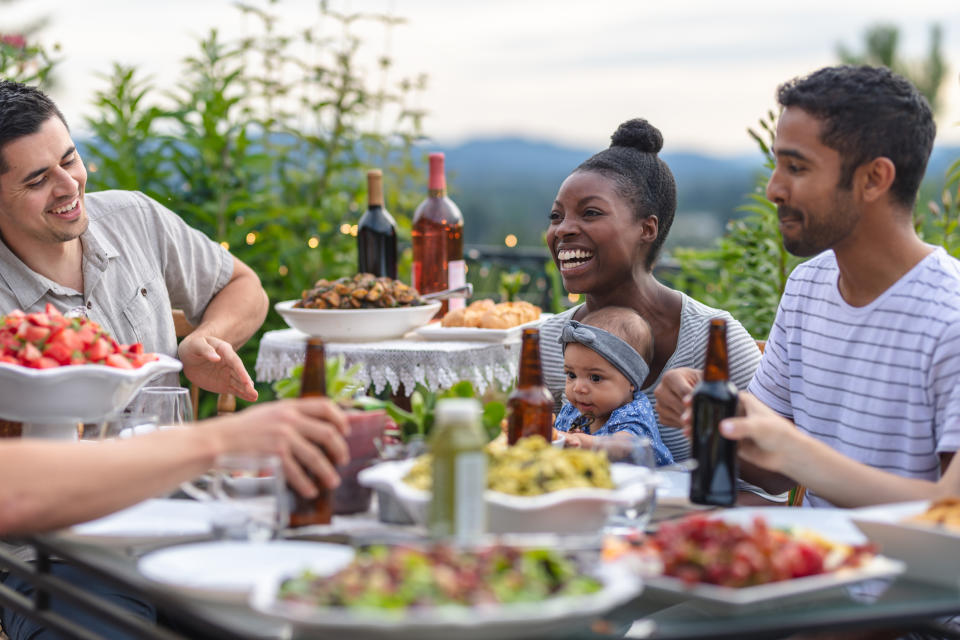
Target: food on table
484 314
703 549
399 577
944 512
362 291
531 467
47 339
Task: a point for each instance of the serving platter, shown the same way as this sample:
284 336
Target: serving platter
505 622
836 525
567 511
763 594
356 325
931 553
435 331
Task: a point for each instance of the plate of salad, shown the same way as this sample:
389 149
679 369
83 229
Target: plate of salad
406 592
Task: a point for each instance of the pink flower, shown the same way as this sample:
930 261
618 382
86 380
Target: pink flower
14 40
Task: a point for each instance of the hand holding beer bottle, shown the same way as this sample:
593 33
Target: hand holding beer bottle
714 398
319 509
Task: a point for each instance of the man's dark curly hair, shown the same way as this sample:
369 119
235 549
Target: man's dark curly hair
642 178
868 112
23 110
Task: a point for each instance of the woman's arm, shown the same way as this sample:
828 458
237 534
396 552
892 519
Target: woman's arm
774 443
45 485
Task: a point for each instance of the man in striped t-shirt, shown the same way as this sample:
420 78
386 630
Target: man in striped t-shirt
864 354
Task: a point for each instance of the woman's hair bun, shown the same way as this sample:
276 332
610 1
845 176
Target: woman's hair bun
639 134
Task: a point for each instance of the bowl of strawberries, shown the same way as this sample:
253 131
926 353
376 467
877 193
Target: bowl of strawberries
54 368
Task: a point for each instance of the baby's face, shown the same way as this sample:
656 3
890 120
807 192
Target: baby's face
594 386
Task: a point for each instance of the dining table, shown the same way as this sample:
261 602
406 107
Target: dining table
904 602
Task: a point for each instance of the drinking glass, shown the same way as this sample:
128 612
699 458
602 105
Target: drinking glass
634 473
171 405
123 426
249 497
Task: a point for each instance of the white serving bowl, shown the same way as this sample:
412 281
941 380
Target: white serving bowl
74 392
568 511
356 325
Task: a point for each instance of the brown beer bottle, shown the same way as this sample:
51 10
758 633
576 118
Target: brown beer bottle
714 481
318 510
530 406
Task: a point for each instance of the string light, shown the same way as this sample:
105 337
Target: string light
313 242
225 245
251 237
345 229
354 230
283 270
510 240
573 297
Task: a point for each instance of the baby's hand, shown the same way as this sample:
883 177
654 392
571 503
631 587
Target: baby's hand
577 441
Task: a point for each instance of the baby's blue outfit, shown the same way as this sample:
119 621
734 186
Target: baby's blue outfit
637 417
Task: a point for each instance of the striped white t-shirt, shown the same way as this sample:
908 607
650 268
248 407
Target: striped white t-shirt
878 383
691 351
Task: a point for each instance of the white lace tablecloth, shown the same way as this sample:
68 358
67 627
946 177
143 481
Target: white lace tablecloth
402 362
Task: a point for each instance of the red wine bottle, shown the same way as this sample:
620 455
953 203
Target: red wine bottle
438 239
377 232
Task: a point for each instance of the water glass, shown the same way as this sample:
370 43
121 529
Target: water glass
121 427
247 494
638 482
171 405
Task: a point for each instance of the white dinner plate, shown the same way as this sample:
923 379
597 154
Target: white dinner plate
434 331
151 521
504 622
228 571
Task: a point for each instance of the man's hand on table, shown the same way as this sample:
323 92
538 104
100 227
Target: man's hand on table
307 434
212 364
671 394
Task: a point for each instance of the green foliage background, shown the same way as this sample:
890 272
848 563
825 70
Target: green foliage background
263 144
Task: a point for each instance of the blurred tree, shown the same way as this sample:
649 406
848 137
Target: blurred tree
881 42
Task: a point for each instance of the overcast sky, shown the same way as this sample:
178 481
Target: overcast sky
562 70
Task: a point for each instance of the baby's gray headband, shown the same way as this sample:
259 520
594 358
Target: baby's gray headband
611 348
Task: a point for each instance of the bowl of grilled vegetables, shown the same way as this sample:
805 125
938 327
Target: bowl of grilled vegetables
358 309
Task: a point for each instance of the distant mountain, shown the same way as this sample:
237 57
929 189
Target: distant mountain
506 185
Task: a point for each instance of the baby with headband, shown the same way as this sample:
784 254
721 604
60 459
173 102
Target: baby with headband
606 359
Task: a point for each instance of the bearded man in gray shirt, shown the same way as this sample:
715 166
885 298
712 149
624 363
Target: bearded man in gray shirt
123 257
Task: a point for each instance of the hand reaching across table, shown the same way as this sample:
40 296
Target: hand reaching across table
212 364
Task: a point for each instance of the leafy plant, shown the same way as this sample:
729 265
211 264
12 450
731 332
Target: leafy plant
264 145
342 386
747 269
423 402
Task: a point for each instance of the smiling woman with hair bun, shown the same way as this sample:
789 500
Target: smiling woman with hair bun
607 227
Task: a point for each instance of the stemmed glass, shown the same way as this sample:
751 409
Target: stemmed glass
171 405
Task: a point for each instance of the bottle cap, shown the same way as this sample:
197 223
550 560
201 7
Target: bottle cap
438 181
458 410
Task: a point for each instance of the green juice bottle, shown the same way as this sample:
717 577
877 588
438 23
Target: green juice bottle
457 509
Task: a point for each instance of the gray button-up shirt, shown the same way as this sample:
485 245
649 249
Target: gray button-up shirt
140 261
